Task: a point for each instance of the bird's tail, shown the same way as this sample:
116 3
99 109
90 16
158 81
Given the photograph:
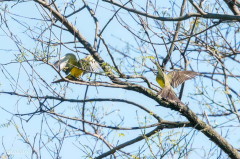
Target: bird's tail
168 93
70 77
58 81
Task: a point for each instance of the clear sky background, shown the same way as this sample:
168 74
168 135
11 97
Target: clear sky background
12 72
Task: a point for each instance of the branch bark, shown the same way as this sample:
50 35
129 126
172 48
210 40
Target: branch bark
180 18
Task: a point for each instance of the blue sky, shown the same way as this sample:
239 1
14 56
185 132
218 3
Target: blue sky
22 74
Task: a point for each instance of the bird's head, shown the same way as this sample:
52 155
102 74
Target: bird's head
70 56
160 69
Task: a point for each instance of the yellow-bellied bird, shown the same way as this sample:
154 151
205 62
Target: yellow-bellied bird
74 68
172 80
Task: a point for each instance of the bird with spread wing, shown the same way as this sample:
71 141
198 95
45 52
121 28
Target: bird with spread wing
172 80
74 68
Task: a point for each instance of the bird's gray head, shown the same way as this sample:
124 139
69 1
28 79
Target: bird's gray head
70 56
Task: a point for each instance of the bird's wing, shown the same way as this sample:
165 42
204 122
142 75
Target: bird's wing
178 77
88 64
65 64
62 64
95 67
84 65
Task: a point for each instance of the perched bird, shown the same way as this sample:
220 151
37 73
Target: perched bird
172 80
74 68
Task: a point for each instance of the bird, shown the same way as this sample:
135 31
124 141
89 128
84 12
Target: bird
74 68
172 80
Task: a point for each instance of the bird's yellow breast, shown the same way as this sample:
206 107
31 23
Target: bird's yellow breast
76 72
160 81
